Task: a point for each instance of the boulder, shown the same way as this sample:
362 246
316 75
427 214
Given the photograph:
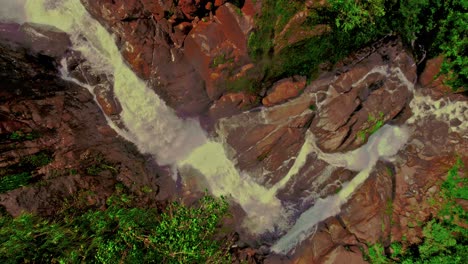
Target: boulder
360 95
264 141
284 89
69 127
231 104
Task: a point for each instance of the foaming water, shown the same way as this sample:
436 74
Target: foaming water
156 130
444 110
264 210
12 11
383 144
149 123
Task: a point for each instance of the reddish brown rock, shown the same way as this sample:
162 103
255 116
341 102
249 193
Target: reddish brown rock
106 100
191 7
341 255
251 8
70 127
152 47
219 2
158 46
284 90
218 51
362 94
157 8
230 104
264 141
8 126
364 215
231 24
429 77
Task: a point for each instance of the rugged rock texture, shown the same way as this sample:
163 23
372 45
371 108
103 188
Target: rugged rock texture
362 93
377 82
340 108
284 89
431 79
67 124
194 55
189 51
395 200
264 142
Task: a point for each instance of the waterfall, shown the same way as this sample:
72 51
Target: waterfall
383 144
155 129
149 123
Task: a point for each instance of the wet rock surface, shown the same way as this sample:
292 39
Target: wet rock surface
41 113
335 108
362 94
190 53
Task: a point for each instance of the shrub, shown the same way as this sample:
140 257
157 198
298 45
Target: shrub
445 239
430 27
119 234
21 174
14 181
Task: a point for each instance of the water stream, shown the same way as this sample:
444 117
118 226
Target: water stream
155 129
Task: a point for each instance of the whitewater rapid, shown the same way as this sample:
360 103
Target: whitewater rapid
155 129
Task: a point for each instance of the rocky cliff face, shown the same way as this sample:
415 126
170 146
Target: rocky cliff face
175 45
41 113
194 55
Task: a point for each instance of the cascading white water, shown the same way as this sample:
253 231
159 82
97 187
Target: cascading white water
146 117
155 129
149 123
383 144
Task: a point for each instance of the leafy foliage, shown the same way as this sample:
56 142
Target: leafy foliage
21 174
36 160
14 181
430 27
120 234
22 136
356 14
376 124
99 164
376 254
452 41
445 237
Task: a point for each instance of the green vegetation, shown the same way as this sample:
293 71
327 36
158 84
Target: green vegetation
221 59
356 14
376 254
429 27
244 83
389 207
14 181
22 136
99 164
36 160
442 27
21 174
96 169
376 124
445 239
122 233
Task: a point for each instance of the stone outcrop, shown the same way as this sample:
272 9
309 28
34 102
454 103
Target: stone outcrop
67 124
374 89
431 79
336 107
193 54
263 142
189 51
284 89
